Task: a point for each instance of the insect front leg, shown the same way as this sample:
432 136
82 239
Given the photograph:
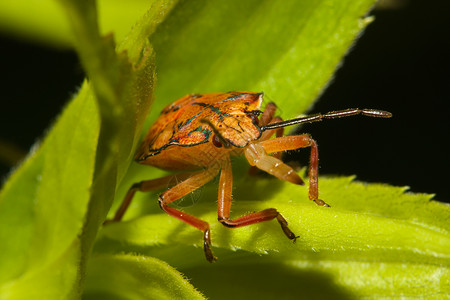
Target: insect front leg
146 186
266 118
179 191
257 156
224 206
295 142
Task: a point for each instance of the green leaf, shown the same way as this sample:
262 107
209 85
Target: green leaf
135 277
53 205
289 50
375 240
370 237
43 204
44 21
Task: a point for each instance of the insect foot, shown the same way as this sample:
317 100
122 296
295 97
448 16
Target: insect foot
207 247
321 203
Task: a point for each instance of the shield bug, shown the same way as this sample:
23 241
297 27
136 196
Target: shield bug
197 134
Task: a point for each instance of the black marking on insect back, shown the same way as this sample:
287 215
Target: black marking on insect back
223 115
216 110
205 131
174 142
182 124
240 95
234 97
200 104
187 122
239 124
211 107
173 131
170 109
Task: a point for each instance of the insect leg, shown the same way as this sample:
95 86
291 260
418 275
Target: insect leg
268 114
296 142
146 186
257 156
182 189
225 188
269 133
267 118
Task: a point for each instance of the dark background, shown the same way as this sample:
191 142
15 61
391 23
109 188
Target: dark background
400 64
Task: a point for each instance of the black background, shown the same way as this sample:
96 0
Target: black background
400 64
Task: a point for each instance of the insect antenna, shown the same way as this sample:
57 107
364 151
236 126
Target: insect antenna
222 140
330 115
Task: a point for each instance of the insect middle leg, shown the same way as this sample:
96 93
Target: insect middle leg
179 191
295 142
224 206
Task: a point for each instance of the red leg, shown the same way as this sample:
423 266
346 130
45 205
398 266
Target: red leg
147 186
182 189
224 206
295 142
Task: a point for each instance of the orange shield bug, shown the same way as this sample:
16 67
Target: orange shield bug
198 134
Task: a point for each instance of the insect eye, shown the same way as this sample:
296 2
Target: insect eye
216 141
254 118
